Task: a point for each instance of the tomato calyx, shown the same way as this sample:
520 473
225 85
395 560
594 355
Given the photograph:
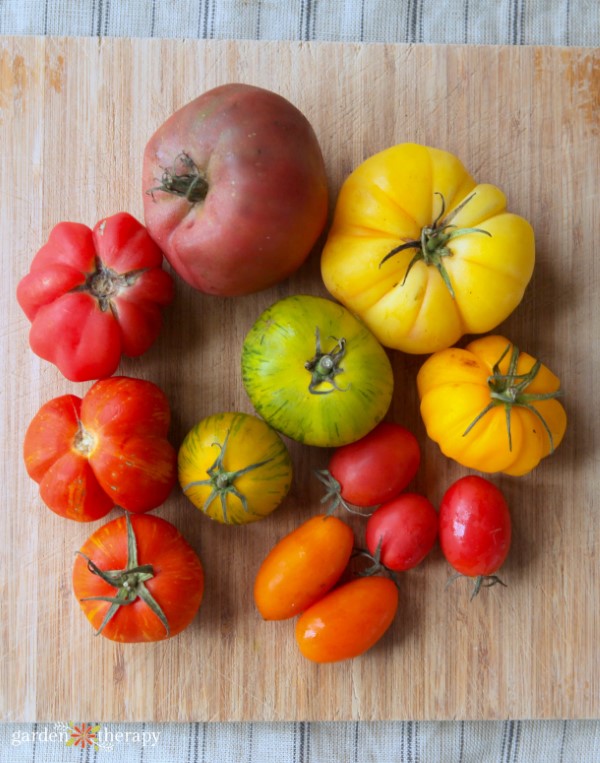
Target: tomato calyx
222 481
334 494
184 180
130 583
509 389
480 581
376 566
432 247
84 441
104 284
325 366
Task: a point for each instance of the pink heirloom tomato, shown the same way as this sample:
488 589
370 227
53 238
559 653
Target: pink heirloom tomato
235 189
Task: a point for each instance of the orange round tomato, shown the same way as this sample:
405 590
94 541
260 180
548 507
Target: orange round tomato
347 621
137 579
109 448
302 567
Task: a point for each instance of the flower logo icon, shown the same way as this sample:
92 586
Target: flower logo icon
83 735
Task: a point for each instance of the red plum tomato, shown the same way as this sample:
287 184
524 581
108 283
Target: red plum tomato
475 528
375 468
404 530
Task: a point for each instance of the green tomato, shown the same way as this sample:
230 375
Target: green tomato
316 373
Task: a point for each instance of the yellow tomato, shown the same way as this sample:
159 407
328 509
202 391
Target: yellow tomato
422 253
234 467
491 407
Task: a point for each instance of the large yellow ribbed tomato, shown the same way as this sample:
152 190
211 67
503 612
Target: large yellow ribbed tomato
491 407
422 253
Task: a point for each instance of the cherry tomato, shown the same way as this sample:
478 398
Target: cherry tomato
347 621
374 469
404 530
475 528
302 567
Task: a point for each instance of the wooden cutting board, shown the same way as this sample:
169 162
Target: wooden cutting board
75 115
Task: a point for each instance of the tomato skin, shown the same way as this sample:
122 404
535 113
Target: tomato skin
377 467
347 621
455 387
109 448
278 370
267 198
396 197
94 295
302 567
243 444
475 526
177 585
406 528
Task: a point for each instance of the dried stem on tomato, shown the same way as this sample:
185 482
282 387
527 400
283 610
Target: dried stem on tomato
325 366
184 179
130 583
510 390
432 246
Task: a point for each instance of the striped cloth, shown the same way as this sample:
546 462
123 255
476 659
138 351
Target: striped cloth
515 22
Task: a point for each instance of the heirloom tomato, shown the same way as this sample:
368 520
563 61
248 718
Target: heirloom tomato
422 253
491 407
348 620
234 467
93 295
109 448
401 532
137 579
475 529
235 189
374 469
302 567
315 372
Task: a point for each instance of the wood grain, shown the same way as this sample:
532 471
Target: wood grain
74 118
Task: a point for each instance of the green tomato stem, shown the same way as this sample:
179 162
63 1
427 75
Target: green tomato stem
508 390
432 246
129 582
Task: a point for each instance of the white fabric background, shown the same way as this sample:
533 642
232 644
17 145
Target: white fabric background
515 22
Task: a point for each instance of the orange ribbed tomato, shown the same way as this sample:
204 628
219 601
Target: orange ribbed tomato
491 407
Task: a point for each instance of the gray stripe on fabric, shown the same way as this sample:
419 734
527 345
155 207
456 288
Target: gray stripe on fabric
361 33
258 19
99 20
466 21
142 751
568 23
517 744
461 742
505 730
153 19
356 729
106 17
563 743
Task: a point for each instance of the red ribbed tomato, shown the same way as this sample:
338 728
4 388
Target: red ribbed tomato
93 295
109 448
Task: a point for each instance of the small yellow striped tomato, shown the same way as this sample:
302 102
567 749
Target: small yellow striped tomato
234 467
